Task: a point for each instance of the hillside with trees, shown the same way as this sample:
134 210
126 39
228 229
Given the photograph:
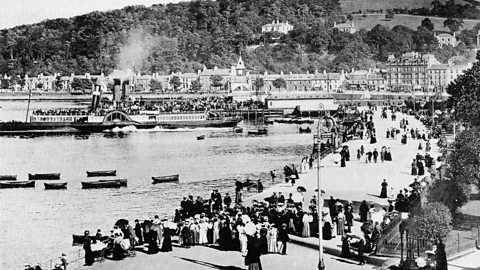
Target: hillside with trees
185 36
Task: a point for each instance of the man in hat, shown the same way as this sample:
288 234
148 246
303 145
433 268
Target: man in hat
283 238
227 200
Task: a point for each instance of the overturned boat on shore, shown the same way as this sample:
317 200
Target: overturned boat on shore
44 176
59 185
101 173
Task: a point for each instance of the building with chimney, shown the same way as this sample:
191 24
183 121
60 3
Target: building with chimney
409 71
446 39
345 27
277 26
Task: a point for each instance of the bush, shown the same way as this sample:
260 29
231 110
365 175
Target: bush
431 221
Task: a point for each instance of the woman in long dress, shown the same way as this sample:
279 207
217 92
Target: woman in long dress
340 223
414 167
306 224
216 230
202 232
242 237
89 258
383 193
167 241
272 239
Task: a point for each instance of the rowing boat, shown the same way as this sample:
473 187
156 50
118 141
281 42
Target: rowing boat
165 179
59 185
8 177
17 184
101 173
103 184
44 176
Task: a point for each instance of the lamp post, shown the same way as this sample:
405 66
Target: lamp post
321 264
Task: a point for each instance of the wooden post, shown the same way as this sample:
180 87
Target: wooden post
458 242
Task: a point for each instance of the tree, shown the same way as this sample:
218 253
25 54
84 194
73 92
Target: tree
431 221
196 86
81 84
463 95
155 85
279 83
454 24
216 81
259 83
390 14
427 23
175 82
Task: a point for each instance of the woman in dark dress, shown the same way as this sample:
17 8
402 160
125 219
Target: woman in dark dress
364 211
345 247
254 247
89 258
327 231
342 162
167 241
152 244
383 193
414 167
421 169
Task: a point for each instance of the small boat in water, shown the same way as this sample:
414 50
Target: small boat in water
44 176
238 130
260 131
101 173
304 130
114 183
17 184
10 177
165 179
201 137
59 185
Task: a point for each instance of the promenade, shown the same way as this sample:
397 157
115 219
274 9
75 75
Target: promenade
356 182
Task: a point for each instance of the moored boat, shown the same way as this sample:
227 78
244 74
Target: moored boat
104 184
123 182
260 131
10 177
59 185
165 179
304 130
17 184
201 137
44 176
101 173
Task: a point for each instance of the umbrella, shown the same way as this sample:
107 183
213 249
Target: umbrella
301 189
250 228
297 197
121 222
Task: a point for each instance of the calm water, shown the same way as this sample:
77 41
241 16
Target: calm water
36 224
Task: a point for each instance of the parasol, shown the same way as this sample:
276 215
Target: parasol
250 228
301 189
121 222
297 197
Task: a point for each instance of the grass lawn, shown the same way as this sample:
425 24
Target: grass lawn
410 21
356 5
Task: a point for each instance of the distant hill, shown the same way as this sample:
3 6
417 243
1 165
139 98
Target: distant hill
410 21
349 6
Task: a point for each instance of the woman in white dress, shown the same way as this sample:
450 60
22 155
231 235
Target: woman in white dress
242 237
272 239
216 230
203 228
306 224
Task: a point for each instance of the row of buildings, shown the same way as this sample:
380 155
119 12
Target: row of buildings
410 72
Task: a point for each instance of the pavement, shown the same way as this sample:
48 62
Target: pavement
356 182
202 257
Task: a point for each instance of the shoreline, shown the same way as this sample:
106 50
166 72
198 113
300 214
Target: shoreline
345 96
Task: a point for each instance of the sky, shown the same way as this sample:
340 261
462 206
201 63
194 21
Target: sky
18 12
